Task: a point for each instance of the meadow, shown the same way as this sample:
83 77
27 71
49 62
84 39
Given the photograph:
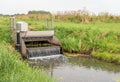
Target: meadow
12 67
99 39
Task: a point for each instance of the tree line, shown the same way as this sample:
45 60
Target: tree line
38 12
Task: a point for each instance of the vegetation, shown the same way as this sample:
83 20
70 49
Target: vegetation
38 12
98 38
85 17
78 32
91 39
12 68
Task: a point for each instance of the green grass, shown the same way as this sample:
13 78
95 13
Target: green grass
101 40
93 38
12 67
90 38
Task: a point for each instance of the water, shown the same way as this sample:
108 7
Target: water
45 55
85 70
43 51
77 69
47 60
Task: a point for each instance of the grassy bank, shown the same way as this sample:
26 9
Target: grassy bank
12 68
98 39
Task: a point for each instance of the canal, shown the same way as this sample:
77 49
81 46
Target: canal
80 69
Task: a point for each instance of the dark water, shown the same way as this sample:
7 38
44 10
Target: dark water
79 69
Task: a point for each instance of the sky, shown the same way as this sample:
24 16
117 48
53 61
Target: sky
23 6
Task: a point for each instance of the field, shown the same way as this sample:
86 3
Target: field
98 39
12 67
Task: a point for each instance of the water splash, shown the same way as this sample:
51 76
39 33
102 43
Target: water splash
46 60
45 55
43 51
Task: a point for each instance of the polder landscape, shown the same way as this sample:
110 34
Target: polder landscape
90 41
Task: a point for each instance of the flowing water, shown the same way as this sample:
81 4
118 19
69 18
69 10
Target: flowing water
43 51
79 69
75 69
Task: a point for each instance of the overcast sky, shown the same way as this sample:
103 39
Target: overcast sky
23 6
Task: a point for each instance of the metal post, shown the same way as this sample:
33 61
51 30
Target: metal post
47 23
12 22
12 26
18 42
52 24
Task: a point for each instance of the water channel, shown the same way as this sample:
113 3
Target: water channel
81 69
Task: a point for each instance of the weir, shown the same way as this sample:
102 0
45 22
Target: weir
37 45
43 51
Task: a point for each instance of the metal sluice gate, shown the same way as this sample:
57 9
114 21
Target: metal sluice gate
35 45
